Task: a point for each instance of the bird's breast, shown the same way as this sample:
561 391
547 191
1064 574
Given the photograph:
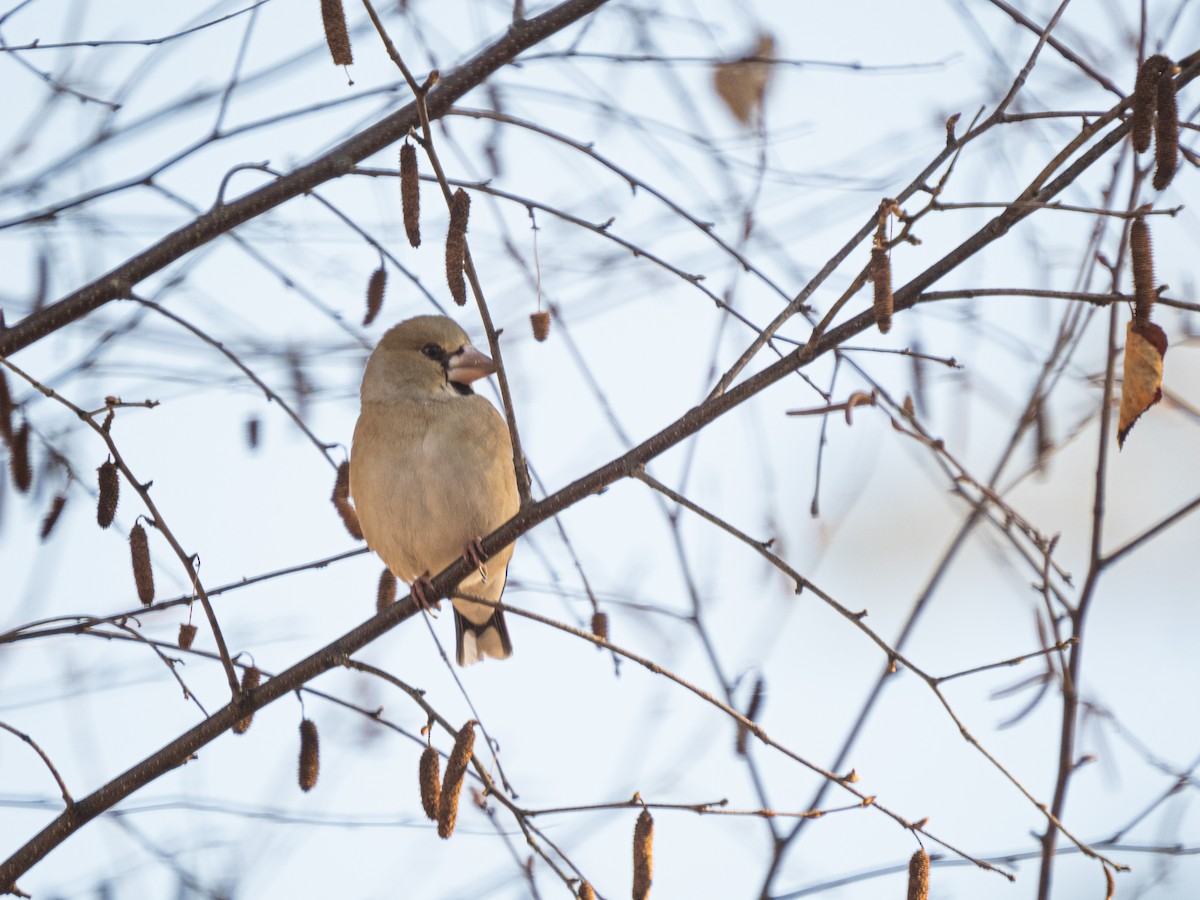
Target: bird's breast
426 478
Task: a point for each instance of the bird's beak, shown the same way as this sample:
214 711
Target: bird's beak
468 365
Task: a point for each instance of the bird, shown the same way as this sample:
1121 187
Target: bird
431 472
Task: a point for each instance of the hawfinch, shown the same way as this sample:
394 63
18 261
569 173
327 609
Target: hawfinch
431 471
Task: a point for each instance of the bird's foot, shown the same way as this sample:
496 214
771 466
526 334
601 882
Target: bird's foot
473 553
421 589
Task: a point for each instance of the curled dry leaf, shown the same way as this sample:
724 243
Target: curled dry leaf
1145 347
742 83
858 398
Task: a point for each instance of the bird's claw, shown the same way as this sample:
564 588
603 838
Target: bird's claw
473 553
420 587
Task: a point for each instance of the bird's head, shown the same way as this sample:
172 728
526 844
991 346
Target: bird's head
426 356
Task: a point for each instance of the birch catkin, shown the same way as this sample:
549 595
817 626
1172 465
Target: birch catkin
1144 289
385 595
1166 131
456 771
187 636
18 459
600 625
251 678
752 712
410 193
333 17
918 876
52 515
6 410
143 574
1145 99
110 493
429 780
456 245
881 277
341 501
310 755
375 289
643 855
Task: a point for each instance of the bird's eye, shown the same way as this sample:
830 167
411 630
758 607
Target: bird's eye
433 351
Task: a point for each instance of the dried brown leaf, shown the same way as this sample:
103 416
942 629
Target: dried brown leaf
742 83
1141 388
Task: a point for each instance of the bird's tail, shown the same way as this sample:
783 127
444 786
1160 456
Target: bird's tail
488 638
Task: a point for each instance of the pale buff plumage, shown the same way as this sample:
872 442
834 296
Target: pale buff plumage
431 469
